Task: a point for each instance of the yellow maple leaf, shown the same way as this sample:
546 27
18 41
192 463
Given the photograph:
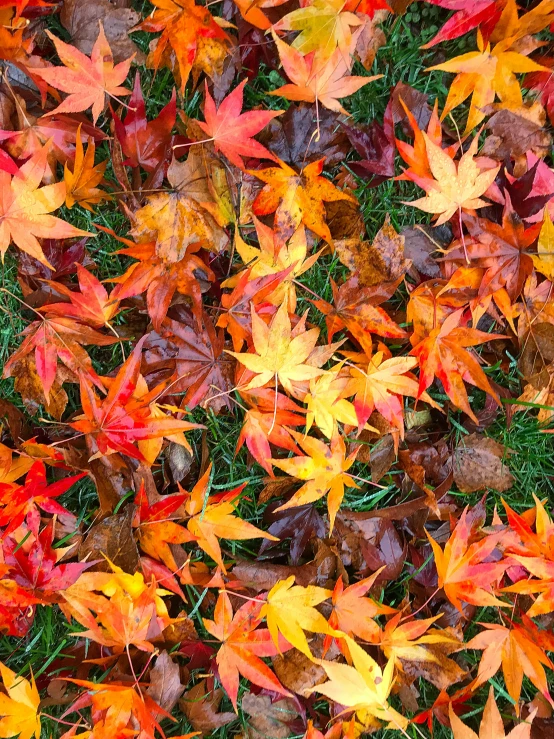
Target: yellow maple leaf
272 256
363 686
25 208
211 521
544 260
325 472
457 186
324 26
486 74
19 708
290 611
81 183
327 405
280 351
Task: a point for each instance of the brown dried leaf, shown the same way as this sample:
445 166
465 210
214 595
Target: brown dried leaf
165 685
478 464
267 719
113 539
512 136
263 575
292 137
81 18
200 706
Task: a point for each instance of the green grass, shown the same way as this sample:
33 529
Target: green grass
531 458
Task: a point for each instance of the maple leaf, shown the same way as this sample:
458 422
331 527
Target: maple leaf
60 130
518 650
380 383
356 308
321 80
281 353
232 131
34 493
466 571
326 403
25 209
81 183
213 517
443 354
205 371
195 38
272 256
87 79
492 725
353 613
529 543
456 186
324 26
296 198
243 644
155 529
145 143
376 145
467 16
500 249
118 709
300 524
58 338
486 74
19 708
289 610
178 224
416 156
267 424
412 640
247 293
92 305
325 471
36 569
126 610
362 686
121 419
160 277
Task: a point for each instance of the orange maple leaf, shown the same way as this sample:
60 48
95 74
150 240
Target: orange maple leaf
213 517
297 198
466 571
87 79
243 645
232 131
25 208
443 354
128 413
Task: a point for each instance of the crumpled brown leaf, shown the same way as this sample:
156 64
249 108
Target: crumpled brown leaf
113 539
81 18
478 464
200 705
267 719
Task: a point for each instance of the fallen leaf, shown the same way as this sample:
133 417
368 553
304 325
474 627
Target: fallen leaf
200 705
267 718
81 18
478 464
